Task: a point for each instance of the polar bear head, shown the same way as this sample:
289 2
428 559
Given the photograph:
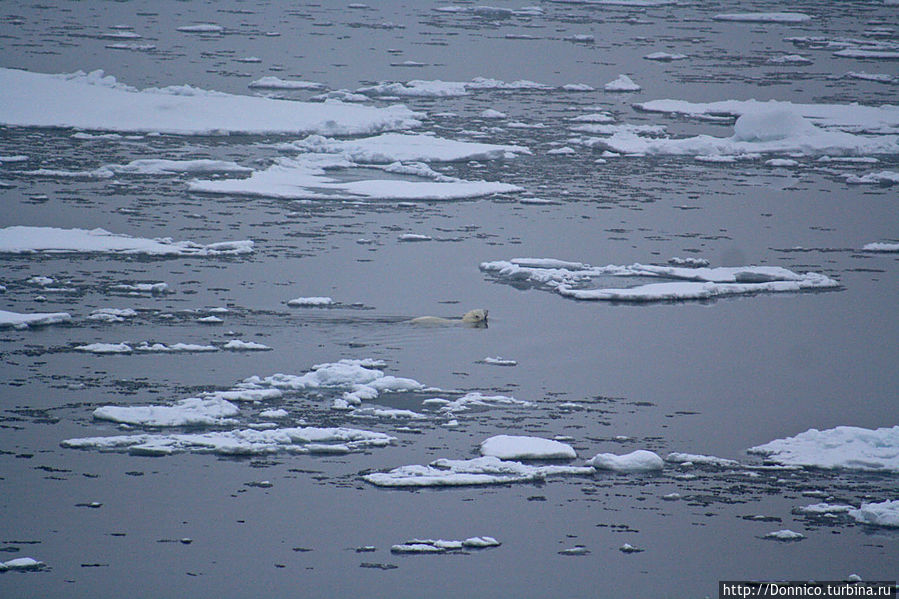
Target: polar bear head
475 316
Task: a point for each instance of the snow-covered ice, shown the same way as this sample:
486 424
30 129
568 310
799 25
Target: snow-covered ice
878 246
193 411
240 345
705 460
96 101
640 460
406 147
622 84
21 563
820 509
19 320
516 447
442 546
885 513
31 240
277 83
843 447
784 535
486 470
878 178
312 301
764 17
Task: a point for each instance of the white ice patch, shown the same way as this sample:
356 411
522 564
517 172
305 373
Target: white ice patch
512 447
636 461
879 178
303 440
310 302
187 412
764 17
112 314
98 102
567 279
105 348
404 147
705 460
239 345
843 447
885 513
881 247
622 84
21 563
665 56
499 361
821 509
18 320
31 240
442 546
477 471
784 535
305 177
276 83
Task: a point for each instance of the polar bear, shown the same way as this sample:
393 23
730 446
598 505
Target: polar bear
472 318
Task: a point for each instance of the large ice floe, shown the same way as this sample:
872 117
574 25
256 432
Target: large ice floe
342 385
515 447
764 17
640 460
487 470
441 546
772 127
885 513
51 240
843 447
569 279
18 320
95 101
405 147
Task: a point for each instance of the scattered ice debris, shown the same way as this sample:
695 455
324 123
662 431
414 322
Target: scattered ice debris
576 550
30 240
510 447
636 461
441 546
499 361
843 447
885 513
275 414
112 314
201 28
193 411
136 288
471 401
628 548
566 278
174 347
306 440
276 83
239 345
477 471
105 348
405 147
688 262
98 102
251 395
881 178
21 563
310 302
881 247
764 17
706 460
784 535
602 129
820 509
622 84
417 88
378 412
664 56
789 59
18 320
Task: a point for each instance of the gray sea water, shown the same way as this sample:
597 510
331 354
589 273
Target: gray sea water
713 377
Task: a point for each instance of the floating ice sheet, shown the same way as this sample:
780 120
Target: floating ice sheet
477 471
96 101
32 240
405 147
640 460
843 447
764 17
885 513
187 412
568 279
18 320
516 447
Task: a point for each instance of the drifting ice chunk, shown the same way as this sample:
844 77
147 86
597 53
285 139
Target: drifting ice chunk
885 513
883 178
764 17
404 147
310 301
509 447
187 412
21 563
817 509
23 321
881 247
636 461
105 348
680 458
784 535
478 471
622 84
30 240
847 447
239 345
276 83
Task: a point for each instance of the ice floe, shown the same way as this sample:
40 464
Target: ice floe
881 247
302 440
821 509
112 314
763 128
486 470
764 17
705 460
306 177
622 84
239 345
441 546
664 56
201 28
404 147
21 563
568 278
885 513
843 447
516 447
96 101
277 83
313 301
784 535
19 320
193 411
499 361
31 240
640 460
879 178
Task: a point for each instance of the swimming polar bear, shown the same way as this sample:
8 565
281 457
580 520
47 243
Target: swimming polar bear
472 318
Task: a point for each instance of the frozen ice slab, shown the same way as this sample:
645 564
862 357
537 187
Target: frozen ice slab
764 17
95 101
21 563
477 471
568 278
51 240
187 412
705 460
405 147
843 447
515 447
18 320
240 442
885 513
278 83
881 247
442 546
636 461
622 84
